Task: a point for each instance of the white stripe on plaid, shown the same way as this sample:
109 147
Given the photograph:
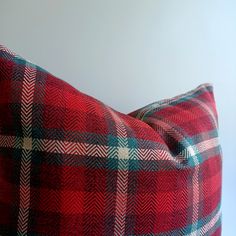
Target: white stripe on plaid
122 176
208 226
26 120
76 148
208 109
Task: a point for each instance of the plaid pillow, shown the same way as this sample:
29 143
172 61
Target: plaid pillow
70 165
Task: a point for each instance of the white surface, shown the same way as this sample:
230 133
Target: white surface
129 53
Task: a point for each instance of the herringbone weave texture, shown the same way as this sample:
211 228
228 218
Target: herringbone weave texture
70 165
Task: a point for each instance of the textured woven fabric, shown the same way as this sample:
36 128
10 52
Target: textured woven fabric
70 165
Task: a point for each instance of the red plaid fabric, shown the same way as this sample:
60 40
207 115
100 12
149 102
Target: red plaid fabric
70 165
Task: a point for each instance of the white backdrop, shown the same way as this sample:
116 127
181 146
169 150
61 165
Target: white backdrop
129 53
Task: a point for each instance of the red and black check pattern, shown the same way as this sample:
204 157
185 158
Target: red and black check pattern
70 165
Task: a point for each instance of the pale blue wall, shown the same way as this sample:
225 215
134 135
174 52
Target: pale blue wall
131 52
